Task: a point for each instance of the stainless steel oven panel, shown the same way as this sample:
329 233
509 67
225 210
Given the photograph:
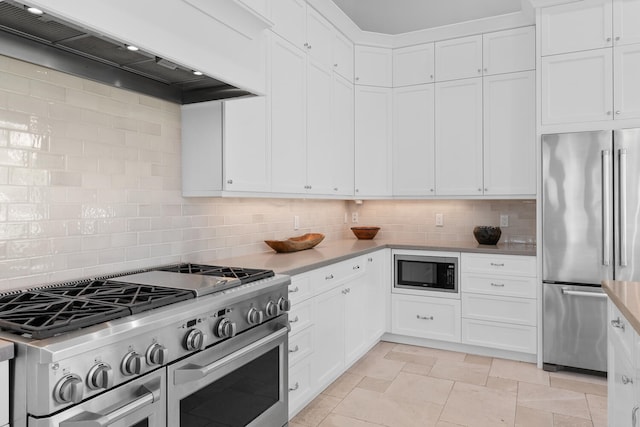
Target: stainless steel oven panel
124 406
206 367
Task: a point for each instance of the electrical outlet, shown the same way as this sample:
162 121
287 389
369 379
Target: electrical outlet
354 217
439 220
504 220
296 222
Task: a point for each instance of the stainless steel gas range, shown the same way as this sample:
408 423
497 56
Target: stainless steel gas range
183 345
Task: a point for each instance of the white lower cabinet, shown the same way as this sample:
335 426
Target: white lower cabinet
426 317
503 336
300 385
4 393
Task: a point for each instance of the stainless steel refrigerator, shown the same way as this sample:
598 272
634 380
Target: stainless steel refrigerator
590 232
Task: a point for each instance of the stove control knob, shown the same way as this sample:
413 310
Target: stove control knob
132 363
255 316
195 340
226 328
68 389
100 376
284 304
157 354
271 309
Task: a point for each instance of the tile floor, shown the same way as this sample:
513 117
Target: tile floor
399 385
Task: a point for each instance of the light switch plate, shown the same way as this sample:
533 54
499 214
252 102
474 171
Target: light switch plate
504 220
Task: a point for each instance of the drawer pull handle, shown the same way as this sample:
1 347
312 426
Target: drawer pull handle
294 320
356 267
346 291
634 416
370 259
296 289
329 277
627 380
295 387
497 285
495 264
424 317
617 323
294 349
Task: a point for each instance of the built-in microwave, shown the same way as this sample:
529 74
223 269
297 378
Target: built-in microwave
425 272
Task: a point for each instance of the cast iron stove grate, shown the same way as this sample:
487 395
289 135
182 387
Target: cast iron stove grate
245 275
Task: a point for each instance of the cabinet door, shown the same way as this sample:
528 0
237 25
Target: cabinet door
355 321
289 20
377 282
328 354
626 84
509 134
576 87
343 56
413 141
620 380
459 137
575 26
373 141
509 51
626 15
459 58
321 150
319 38
374 66
242 172
288 118
342 165
413 65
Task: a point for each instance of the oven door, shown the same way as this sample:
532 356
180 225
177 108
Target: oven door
139 403
239 382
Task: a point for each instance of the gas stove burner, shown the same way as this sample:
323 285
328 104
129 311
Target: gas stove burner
245 275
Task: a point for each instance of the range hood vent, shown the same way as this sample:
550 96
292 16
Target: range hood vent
53 43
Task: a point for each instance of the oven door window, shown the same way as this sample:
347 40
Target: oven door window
237 398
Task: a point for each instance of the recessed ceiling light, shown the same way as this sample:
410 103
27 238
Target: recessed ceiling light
197 73
34 10
133 48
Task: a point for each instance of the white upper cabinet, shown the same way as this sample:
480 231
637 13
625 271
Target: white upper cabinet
413 141
243 172
626 84
458 109
626 15
509 51
576 26
374 66
343 56
413 65
342 140
319 38
576 87
288 117
373 127
458 58
509 134
290 20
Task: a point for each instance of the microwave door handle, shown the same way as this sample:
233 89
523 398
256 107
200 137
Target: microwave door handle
606 207
92 419
622 200
193 372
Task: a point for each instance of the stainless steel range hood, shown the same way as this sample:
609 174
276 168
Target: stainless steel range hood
53 43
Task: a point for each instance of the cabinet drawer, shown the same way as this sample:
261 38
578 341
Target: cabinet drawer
299 385
336 274
514 265
620 330
512 286
300 345
301 316
435 318
300 288
499 309
499 335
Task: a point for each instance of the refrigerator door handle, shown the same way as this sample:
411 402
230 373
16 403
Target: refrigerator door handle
622 200
606 207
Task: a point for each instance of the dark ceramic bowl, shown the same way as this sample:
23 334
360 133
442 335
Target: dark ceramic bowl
487 235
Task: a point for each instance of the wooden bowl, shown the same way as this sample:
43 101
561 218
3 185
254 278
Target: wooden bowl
294 244
365 233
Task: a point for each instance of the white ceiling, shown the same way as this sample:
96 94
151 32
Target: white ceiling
403 16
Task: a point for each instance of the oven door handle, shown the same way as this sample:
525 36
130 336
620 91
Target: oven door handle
150 394
193 372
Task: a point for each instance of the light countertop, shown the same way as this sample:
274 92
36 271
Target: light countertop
626 296
6 350
333 251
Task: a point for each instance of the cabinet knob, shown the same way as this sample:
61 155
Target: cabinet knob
486 189
485 70
608 39
479 70
357 191
335 65
608 113
480 190
431 76
618 112
431 190
309 47
617 38
335 188
229 181
357 78
626 380
306 45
